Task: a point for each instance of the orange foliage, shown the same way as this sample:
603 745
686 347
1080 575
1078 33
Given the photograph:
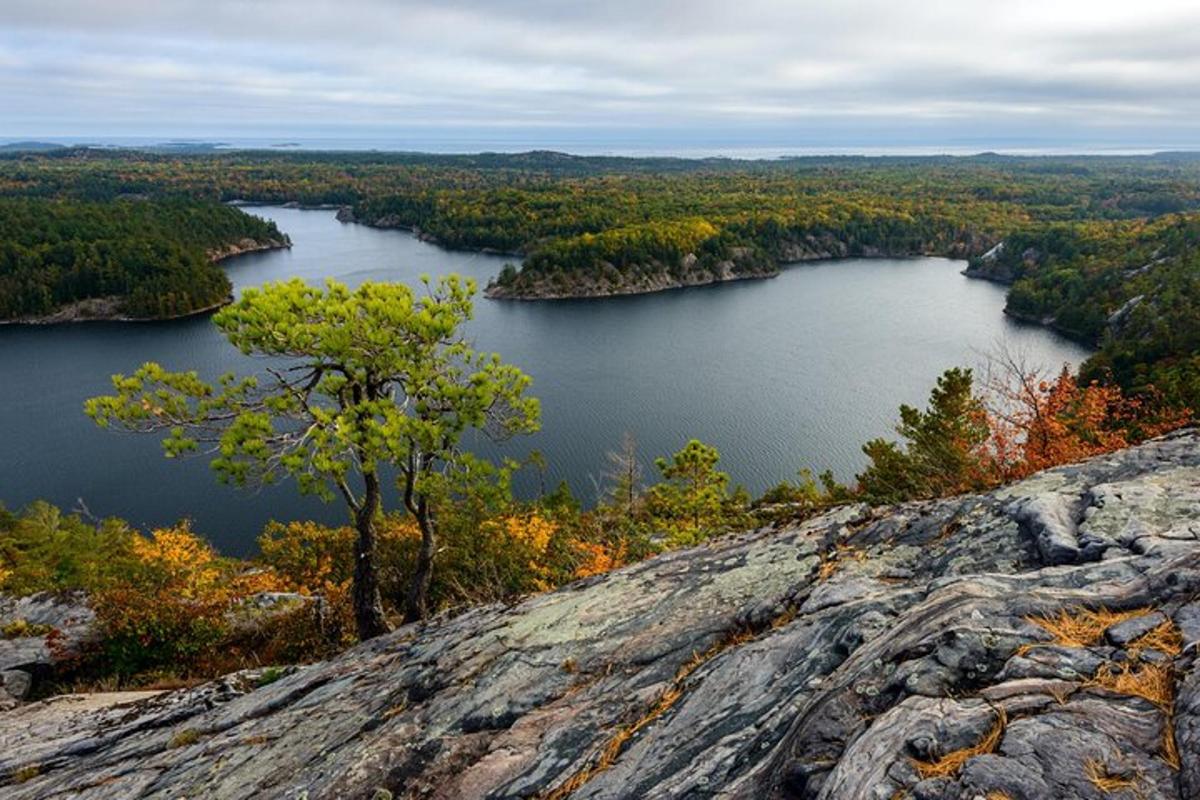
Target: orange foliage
1037 423
596 558
531 530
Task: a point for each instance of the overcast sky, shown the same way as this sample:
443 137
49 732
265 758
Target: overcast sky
844 74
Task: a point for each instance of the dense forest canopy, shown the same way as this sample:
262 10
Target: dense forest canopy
1102 248
154 257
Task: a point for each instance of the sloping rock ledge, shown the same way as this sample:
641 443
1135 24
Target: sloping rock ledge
818 660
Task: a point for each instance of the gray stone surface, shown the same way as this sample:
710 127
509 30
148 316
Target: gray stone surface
32 656
740 672
1123 633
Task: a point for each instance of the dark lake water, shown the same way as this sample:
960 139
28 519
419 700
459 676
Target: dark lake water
778 374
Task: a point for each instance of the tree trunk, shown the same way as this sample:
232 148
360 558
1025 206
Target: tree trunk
417 607
368 607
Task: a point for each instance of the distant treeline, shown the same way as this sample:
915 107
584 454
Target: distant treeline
155 257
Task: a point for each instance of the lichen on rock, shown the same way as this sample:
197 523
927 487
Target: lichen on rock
919 665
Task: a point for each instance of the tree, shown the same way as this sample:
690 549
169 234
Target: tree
691 498
1039 421
943 452
623 480
361 380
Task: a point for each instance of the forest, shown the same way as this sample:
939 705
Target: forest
1100 248
155 258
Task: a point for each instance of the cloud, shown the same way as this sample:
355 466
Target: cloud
757 70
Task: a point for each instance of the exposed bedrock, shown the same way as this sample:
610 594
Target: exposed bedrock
866 653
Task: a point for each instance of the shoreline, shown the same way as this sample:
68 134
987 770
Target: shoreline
345 215
630 291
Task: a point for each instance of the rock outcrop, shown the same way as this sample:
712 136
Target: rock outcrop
864 653
248 245
35 631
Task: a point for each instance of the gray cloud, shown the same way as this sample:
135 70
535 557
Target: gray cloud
853 72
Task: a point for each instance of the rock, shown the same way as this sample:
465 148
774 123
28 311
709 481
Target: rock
66 615
16 683
1051 521
345 214
1116 320
1187 619
1121 634
1187 732
739 669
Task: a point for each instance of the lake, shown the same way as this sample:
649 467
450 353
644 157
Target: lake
779 374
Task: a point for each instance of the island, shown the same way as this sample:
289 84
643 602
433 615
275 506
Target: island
127 260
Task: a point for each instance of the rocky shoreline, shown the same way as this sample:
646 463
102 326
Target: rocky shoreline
643 283
246 246
659 278
865 653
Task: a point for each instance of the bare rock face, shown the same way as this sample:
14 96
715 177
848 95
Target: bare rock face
866 653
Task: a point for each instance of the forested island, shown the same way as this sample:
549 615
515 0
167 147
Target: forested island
129 259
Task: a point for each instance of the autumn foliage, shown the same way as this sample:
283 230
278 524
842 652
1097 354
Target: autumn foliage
1022 422
1037 423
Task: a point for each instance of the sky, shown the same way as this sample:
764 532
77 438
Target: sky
829 76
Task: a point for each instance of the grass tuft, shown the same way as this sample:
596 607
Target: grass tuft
1166 638
833 559
1153 682
1170 750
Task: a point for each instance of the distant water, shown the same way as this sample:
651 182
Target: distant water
778 374
636 146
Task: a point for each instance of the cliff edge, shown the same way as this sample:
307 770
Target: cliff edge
1039 641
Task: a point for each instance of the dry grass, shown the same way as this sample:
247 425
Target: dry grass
1170 750
998 796
786 617
1165 638
952 763
396 710
183 738
1082 627
1153 682
1097 772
